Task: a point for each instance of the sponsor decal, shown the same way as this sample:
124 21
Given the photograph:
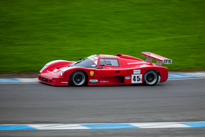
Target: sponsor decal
104 81
167 61
93 81
136 71
93 58
43 79
64 82
128 77
91 73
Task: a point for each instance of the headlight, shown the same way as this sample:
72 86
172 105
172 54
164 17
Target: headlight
61 74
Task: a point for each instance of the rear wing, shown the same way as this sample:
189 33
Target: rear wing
159 58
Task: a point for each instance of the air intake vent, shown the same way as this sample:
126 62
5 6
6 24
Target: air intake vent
118 55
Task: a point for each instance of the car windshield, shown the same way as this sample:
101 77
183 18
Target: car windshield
88 62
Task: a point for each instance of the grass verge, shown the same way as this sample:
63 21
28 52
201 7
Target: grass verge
35 32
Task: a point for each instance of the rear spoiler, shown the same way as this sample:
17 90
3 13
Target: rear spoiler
159 58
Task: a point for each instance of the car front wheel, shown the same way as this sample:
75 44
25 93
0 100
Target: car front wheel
78 78
150 77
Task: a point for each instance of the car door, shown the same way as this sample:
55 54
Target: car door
111 67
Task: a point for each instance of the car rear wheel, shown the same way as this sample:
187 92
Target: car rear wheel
150 77
78 78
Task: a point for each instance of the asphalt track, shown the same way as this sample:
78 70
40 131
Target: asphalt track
172 101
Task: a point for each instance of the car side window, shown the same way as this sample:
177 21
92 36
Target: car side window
108 62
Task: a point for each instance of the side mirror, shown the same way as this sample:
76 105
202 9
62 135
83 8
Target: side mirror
80 58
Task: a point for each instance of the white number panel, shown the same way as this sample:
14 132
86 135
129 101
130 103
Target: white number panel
137 78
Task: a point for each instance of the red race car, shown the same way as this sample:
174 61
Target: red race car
106 70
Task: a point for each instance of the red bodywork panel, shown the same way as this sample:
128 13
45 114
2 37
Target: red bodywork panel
58 73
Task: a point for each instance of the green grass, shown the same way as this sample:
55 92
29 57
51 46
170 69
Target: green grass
33 33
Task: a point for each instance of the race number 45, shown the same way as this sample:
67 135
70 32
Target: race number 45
137 78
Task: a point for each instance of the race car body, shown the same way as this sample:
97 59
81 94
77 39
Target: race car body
99 69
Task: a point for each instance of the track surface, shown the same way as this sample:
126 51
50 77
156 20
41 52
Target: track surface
172 101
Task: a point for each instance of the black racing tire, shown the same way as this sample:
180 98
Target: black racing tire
150 77
78 78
